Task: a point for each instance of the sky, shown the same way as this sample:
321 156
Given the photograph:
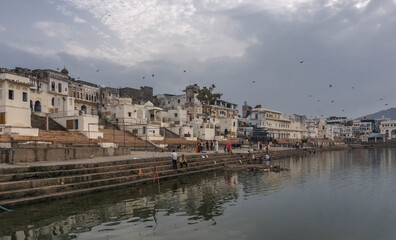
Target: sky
309 57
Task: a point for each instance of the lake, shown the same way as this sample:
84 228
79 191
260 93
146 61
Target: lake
329 195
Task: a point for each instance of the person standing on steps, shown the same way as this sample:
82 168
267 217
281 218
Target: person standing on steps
174 159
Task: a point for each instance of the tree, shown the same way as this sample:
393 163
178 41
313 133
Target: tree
207 98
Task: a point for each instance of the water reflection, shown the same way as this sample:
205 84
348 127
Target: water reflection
331 195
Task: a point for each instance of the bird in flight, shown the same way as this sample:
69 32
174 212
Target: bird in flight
144 77
301 61
332 101
310 95
184 71
152 75
386 104
253 81
331 85
381 99
97 70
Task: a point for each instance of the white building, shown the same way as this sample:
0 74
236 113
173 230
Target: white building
14 105
298 128
388 128
75 120
271 121
143 120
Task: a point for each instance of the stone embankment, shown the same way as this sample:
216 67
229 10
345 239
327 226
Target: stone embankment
26 185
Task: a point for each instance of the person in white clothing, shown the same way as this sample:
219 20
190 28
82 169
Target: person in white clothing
174 159
216 146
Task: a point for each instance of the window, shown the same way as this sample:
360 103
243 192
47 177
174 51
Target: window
60 87
53 86
11 94
175 115
129 114
24 96
178 100
53 101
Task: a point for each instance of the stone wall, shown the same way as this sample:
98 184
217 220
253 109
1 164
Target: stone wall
58 154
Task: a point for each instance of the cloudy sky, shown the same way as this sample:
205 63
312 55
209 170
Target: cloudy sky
251 49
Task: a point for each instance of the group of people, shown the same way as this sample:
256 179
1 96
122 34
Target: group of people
210 146
252 158
261 147
182 160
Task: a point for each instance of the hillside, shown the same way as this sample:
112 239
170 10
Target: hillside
389 113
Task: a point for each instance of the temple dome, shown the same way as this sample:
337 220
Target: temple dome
64 71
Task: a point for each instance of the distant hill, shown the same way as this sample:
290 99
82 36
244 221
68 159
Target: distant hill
389 113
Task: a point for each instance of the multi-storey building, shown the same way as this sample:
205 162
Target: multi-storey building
138 96
14 105
298 128
271 121
86 96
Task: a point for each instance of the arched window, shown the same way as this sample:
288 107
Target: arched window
53 101
84 109
37 106
60 87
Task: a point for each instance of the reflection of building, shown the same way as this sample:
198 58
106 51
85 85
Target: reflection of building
201 199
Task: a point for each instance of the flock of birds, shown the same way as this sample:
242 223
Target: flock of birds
301 62
332 101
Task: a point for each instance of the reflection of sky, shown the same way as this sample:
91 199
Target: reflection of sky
332 195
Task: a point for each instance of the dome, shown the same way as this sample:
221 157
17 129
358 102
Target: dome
64 71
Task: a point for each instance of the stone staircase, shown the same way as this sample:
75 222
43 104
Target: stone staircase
56 136
168 133
40 123
123 138
25 185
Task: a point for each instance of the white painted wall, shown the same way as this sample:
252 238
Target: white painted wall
17 111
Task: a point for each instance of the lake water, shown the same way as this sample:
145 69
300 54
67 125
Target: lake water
330 195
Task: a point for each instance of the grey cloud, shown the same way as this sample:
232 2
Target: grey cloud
342 46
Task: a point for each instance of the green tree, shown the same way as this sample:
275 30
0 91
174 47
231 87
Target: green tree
207 98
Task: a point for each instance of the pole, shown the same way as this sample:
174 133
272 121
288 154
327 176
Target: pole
89 135
124 135
146 136
46 121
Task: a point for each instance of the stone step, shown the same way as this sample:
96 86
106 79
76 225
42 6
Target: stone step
124 170
7 174
111 184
